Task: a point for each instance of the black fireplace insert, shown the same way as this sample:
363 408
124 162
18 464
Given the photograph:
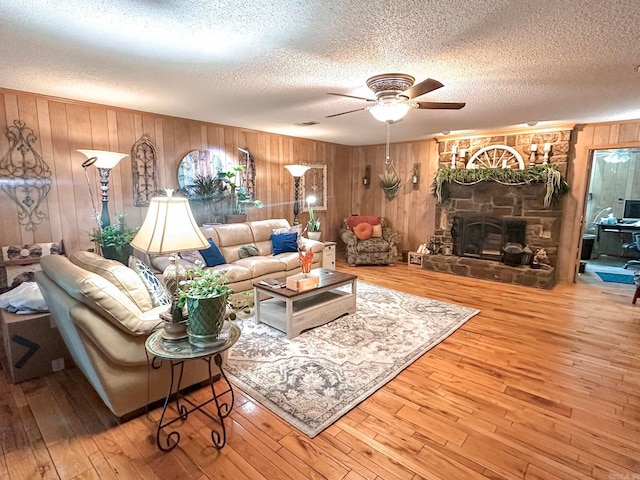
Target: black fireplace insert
484 236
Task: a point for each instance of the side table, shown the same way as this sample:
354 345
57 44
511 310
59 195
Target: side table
177 352
329 256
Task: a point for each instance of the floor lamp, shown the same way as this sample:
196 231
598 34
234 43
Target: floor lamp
104 162
170 228
296 171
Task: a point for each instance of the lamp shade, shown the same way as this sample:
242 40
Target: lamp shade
104 159
389 112
297 170
169 227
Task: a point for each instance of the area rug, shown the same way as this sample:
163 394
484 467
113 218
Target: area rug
315 378
616 278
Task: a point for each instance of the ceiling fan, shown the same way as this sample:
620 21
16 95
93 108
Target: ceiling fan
395 94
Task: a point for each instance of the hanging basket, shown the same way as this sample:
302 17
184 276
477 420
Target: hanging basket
390 182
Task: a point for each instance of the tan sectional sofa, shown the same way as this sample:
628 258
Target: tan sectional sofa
242 272
104 312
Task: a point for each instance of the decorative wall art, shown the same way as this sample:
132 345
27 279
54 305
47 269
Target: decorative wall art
143 165
26 178
314 182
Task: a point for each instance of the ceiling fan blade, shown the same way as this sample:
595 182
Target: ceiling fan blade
344 113
351 96
425 86
441 105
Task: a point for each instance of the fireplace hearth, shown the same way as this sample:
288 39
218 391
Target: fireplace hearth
484 236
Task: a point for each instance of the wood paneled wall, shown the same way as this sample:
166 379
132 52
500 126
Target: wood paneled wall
412 211
586 138
64 126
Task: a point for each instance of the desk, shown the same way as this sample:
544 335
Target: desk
177 352
611 237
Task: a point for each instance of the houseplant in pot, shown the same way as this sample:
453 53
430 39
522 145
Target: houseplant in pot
207 299
115 240
313 225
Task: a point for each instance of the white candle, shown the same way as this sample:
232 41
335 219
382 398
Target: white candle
534 147
463 153
547 147
454 149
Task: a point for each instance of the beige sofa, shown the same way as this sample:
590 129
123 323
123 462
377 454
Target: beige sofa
243 272
104 315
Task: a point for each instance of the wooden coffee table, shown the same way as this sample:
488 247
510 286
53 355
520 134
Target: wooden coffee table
292 312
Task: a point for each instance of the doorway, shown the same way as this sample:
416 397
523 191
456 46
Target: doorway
609 228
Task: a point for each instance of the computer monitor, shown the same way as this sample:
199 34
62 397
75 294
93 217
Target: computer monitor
631 210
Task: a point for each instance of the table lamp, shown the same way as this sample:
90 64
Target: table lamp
169 228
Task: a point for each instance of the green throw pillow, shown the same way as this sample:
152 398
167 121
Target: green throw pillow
248 251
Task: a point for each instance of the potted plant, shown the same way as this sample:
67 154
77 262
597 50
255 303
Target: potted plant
115 240
313 225
239 197
207 299
204 195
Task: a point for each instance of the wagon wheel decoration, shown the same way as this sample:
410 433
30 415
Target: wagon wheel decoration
496 156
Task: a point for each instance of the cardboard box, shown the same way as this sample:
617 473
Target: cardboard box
301 282
32 346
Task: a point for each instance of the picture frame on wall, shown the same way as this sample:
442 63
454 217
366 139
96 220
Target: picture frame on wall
314 182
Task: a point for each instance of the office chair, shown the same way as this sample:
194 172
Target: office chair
635 246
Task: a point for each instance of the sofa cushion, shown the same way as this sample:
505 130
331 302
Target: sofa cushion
284 242
260 266
101 295
232 236
235 272
377 231
121 276
212 256
363 231
373 245
354 220
158 293
189 257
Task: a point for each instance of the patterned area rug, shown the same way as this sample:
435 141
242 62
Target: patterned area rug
315 378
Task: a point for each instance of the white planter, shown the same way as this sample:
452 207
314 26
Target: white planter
314 235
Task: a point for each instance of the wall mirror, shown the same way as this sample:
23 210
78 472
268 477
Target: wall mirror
199 164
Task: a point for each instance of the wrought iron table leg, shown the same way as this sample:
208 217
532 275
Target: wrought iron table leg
182 411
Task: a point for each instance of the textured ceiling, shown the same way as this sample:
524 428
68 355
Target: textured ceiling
268 64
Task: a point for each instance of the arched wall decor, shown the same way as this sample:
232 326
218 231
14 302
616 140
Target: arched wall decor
143 165
25 176
314 182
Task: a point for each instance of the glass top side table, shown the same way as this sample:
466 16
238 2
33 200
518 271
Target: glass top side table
177 352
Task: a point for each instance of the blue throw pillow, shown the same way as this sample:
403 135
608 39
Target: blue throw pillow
284 242
212 255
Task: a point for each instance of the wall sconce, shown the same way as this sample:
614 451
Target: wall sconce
415 176
547 150
104 162
366 180
296 171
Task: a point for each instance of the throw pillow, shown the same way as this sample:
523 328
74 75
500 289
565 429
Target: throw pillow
212 255
248 251
159 295
354 220
284 242
295 228
363 231
377 231
192 256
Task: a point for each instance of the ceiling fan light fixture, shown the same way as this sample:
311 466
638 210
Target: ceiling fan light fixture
389 112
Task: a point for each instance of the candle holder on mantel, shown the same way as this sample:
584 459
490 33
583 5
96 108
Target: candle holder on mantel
454 154
532 155
547 150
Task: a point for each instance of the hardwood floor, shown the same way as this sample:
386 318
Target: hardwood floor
539 385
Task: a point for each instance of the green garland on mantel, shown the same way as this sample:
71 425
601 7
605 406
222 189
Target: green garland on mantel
548 174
